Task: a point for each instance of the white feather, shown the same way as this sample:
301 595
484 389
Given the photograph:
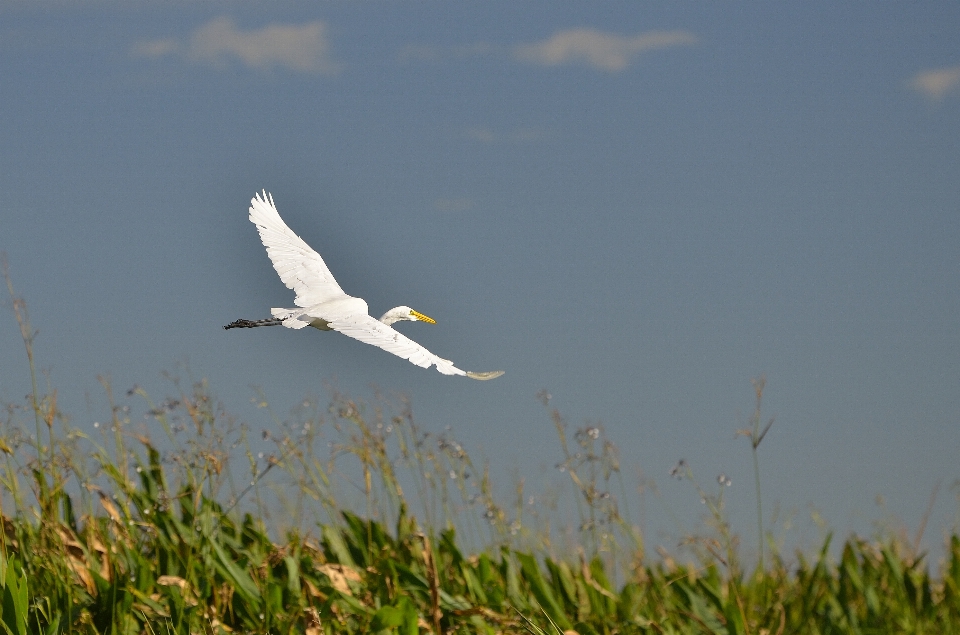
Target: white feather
300 267
323 304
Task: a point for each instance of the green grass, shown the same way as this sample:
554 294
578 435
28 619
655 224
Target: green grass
194 532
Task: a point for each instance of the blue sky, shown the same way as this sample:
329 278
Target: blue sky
637 206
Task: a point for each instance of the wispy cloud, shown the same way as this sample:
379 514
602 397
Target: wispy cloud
156 48
487 135
298 47
453 204
605 51
936 83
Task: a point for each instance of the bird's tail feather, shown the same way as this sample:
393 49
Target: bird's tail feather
291 318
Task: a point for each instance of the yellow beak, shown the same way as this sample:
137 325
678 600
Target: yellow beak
422 317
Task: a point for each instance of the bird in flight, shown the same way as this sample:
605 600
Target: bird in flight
322 304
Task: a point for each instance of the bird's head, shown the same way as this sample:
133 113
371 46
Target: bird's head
405 313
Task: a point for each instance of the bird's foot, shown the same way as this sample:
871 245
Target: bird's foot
249 324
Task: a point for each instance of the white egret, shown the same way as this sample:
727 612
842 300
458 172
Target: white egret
322 304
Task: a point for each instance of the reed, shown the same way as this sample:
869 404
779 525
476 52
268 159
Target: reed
360 521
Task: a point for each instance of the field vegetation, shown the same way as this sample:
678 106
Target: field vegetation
358 521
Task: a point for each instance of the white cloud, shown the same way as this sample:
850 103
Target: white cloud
936 83
605 51
303 48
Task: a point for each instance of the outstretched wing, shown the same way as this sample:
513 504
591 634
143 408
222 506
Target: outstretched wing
300 267
372 331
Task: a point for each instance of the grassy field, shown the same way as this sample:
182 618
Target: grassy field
358 521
